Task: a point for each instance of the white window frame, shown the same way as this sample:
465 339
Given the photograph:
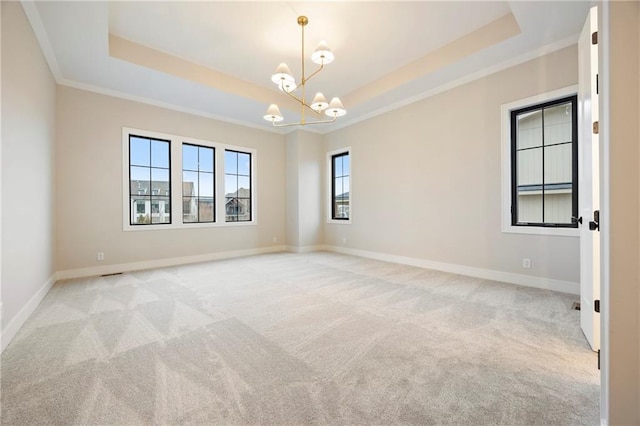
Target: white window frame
175 155
329 212
505 122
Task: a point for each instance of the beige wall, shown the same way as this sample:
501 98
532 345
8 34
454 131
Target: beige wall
89 181
624 211
28 134
427 177
305 195
292 199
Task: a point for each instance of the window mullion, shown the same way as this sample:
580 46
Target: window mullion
543 168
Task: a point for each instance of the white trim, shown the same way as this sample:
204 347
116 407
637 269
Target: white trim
162 263
1 310
329 185
305 249
10 331
488 274
161 104
505 124
604 29
175 153
31 11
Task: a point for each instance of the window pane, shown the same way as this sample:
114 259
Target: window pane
244 186
205 159
231 209
189 209
558 163
230 185
160 182
140 210
529 129
205 209
346 165
230 162
160 210
139 151
189 184
530 207
244 209
529 167
337 166
338 188
139 183
159 154
345 186
206 185
140 173
557 124
558 206
189 157
244 164
341 208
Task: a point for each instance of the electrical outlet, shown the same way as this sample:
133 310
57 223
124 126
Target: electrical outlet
100 256
526 263
275 239
344 240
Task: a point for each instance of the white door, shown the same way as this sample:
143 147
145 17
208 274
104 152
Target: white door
589 180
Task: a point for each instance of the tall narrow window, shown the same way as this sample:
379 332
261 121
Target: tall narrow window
237 186
149 181
198 183
340 193
544 164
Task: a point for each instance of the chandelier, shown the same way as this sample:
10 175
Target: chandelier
287 83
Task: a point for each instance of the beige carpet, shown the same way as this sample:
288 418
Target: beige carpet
316 338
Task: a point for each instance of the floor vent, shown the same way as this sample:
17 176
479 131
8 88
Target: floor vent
111 275
575 306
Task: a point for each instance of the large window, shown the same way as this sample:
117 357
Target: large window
237 186
198 183
544 164
149 181
340 186
156 195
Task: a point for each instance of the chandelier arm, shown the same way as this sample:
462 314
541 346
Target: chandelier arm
304 80
301 102
306 123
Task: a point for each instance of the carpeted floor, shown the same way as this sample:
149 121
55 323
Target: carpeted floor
285 338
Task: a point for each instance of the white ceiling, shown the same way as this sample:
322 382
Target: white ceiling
386 53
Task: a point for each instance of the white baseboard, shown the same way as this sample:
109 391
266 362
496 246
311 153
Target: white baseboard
305 249
10 331
161 263
488 274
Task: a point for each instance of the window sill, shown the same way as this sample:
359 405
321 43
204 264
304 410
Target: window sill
539 230
133 228
339 222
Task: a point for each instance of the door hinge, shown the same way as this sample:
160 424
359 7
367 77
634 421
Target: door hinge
598 359
594 38
596 127
596 305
